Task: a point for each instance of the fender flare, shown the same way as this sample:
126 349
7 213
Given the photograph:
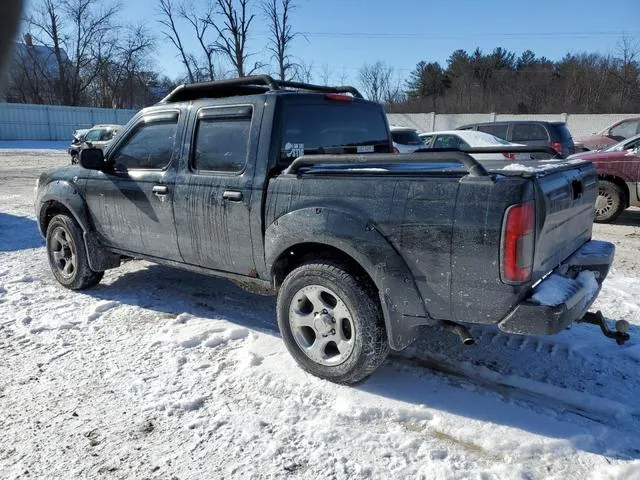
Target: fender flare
402 305
67 195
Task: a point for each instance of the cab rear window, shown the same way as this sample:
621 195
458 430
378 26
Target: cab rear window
332 129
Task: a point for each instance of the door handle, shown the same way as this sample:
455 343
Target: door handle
232 195
160 189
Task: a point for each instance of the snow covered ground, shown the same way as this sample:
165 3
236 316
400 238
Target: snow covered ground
159 373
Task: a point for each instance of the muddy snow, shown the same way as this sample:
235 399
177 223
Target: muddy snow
159 373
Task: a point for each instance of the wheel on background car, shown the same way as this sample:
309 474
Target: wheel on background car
331 322
75 158
610 201
68 255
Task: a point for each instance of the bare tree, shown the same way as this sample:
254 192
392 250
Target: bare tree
78 32
282 34
304 72
325 74
170 31
200 24
375 80
122 80
233 34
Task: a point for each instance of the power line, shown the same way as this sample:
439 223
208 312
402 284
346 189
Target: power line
532 35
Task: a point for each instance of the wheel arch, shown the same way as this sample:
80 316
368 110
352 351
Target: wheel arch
322 233
619 182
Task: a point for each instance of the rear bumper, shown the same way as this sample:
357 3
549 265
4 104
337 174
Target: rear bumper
564 296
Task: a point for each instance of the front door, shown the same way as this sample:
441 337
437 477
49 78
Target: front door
130 203
213 191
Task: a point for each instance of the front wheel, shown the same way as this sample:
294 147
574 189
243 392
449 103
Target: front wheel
68 256
610 201
331 322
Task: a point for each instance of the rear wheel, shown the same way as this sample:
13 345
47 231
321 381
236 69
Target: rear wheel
331 322
75 157
610 201
67 254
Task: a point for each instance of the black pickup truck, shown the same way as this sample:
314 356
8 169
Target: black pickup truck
293 189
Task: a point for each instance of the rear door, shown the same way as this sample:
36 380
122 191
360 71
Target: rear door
131 203
214 188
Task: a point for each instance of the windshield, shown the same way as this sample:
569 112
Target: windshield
628 144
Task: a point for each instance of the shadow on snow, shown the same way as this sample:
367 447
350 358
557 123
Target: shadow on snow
18 233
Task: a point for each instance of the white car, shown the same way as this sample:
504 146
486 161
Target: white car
471 139
405 139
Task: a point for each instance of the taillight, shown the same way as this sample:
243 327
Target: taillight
340 97
557 146
508 155
395 149
518 242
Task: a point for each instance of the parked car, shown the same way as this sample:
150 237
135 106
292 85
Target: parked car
533 133
611 135
98 136
293 189
405 140
466 139
618 178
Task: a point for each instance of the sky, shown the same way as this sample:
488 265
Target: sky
342 35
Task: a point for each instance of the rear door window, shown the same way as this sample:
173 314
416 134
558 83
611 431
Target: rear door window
406 137
498 130
221 140
528 131
332 129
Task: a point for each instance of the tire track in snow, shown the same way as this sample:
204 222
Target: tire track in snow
607 412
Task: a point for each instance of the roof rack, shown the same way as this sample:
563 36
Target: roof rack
255 84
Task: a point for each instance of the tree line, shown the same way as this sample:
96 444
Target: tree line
78 52
501 81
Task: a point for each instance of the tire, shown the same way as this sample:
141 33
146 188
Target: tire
610 202
68 255
75 158
331 322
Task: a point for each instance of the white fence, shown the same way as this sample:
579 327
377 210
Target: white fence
54 122
578 124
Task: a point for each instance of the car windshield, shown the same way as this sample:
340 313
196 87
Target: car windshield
626 144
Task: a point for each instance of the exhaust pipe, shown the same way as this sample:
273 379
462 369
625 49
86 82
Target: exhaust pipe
461 331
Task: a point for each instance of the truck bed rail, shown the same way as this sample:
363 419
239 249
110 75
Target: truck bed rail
430 155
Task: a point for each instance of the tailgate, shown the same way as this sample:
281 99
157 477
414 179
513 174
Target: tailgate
565 200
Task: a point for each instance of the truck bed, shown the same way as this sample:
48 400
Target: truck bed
446 224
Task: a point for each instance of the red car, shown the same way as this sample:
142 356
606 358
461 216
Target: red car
619 178
619 131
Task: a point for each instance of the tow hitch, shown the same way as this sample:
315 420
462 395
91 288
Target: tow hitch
622 326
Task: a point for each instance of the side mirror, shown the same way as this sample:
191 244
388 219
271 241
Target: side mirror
92 159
